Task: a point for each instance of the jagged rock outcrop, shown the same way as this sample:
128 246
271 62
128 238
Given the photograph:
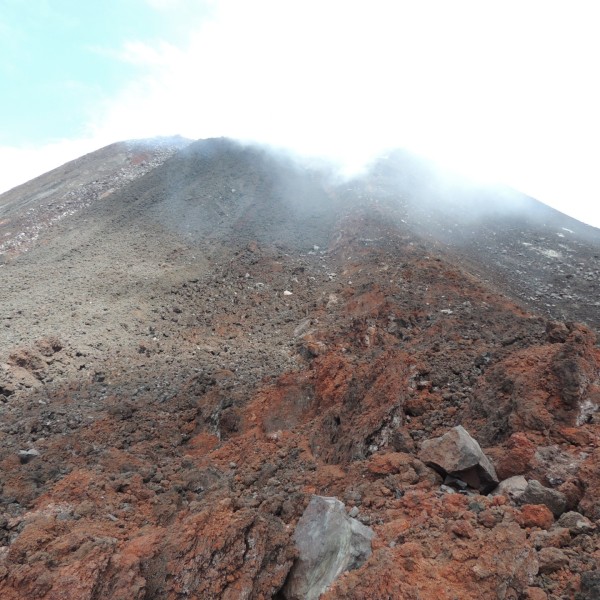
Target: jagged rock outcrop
457 454
329 542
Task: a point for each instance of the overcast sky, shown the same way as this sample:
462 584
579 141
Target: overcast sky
501 91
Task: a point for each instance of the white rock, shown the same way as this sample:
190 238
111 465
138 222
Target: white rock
513 487
329 543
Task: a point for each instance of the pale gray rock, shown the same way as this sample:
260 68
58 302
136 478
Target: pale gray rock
558 537
457 454
536 493
576 523
513 488
329 542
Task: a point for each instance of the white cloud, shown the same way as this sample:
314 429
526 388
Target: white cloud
501 91
143 54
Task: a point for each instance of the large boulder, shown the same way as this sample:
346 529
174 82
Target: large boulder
329 543
457 454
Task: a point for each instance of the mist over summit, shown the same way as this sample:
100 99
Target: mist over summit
203 343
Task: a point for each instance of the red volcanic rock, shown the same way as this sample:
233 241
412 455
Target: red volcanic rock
577 436
535 593
469 568
221 554
557 332
516 457
463 529
572 490
397 463
556 537
536 515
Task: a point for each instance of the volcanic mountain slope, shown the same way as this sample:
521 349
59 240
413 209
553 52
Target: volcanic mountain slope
543 259
187 361
29 209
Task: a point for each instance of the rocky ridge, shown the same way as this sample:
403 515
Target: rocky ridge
28 210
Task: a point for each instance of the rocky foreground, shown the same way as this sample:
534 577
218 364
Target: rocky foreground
234 377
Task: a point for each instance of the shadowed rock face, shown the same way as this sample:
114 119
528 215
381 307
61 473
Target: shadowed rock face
329 543
168 411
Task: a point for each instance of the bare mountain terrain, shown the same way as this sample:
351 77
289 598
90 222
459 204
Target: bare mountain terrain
28 210
199 338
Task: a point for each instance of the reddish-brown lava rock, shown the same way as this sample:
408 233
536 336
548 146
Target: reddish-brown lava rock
514 457
470 567
536 515
392 463
535 593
